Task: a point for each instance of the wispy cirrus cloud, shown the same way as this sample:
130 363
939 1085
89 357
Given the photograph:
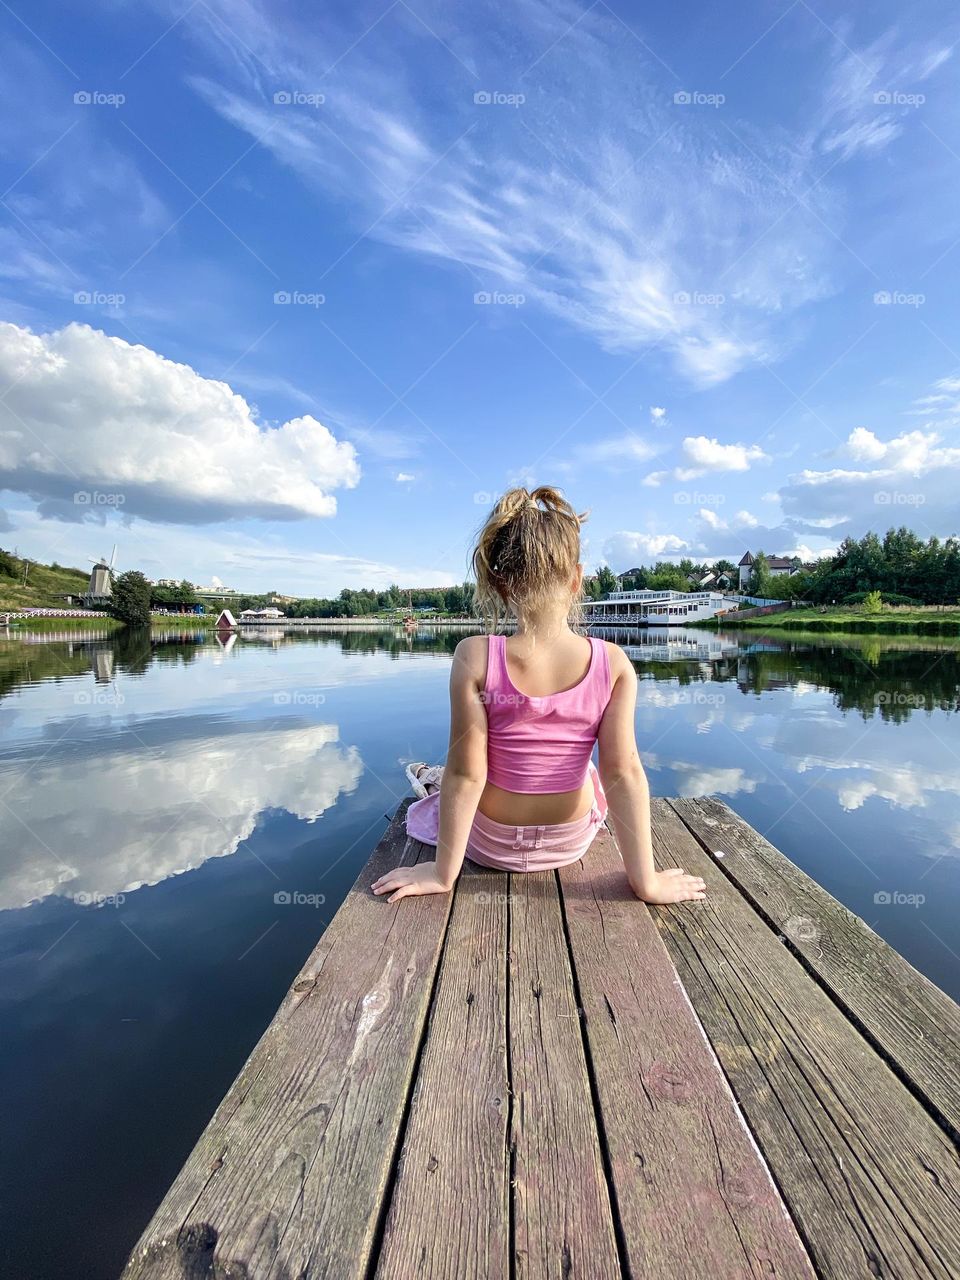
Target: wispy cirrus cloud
871 92
638 220
72 193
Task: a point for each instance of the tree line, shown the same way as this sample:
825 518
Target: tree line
353 604
901 567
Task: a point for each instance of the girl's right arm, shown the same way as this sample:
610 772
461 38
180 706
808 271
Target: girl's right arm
464 777
628 794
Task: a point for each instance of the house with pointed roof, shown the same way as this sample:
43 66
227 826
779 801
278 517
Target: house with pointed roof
779 566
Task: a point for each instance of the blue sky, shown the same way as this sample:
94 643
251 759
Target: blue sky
287 295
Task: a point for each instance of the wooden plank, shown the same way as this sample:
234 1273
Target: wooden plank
913 1022
562 1216
871 1180
684 1165
288 1177
449 1214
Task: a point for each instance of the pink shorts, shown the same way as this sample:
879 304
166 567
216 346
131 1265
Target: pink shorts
508 848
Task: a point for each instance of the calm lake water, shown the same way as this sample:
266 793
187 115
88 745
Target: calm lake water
162 800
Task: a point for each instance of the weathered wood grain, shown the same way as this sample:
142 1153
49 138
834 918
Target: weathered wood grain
288 1178
871 1180
563 1225
684 1165
449 1214
914 1023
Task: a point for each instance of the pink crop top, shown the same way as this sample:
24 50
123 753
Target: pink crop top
542 744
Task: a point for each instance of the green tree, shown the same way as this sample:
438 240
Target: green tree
606 580
667 577
130 599
637 580
761 579
688 570
872 602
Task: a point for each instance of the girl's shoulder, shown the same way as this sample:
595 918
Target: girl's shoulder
470 646
617 661
471 653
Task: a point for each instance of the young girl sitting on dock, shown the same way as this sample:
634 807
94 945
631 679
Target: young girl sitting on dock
520 791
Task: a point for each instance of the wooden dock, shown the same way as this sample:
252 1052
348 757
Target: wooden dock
538 1076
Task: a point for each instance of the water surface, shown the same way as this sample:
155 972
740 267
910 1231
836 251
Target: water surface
181 818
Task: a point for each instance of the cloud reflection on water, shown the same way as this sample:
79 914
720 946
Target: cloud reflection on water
129 814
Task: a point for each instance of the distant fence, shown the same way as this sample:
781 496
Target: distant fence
51 613
759 612
365 623
760 601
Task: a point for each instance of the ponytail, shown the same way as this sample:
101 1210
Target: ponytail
528 548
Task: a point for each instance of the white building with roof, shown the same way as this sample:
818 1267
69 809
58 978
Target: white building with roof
655 608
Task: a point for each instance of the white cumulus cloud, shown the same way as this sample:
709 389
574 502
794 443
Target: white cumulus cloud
626 546
705 453
864 446
911 479
90 414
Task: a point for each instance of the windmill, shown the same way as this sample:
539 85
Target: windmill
100 586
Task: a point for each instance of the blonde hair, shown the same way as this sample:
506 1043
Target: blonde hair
527 550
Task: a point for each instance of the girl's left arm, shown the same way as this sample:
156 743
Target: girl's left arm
464 777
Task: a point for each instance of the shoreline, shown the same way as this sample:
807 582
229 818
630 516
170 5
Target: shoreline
836 621
944 622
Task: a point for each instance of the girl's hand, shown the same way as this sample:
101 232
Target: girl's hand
404 882
671 886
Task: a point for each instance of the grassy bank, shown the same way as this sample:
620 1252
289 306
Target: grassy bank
928 621
45 587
